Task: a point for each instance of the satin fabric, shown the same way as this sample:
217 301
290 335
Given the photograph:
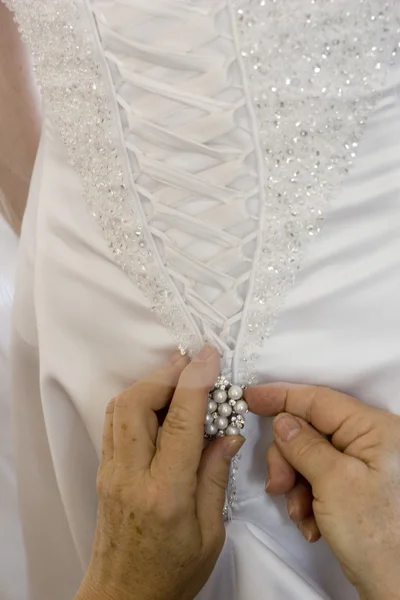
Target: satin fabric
12 559
83 332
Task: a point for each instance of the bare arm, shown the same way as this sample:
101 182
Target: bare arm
19 121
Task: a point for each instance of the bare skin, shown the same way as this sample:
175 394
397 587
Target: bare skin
344 484
19 121
160 527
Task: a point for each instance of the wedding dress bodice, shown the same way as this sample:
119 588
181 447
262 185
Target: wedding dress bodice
190 152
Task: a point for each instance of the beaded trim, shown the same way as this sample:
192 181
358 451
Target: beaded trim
301 172
315 70
72 82
301 176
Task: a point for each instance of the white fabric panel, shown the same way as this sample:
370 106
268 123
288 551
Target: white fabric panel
12 557
83 331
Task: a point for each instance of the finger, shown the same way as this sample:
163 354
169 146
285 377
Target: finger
181 438
299 501
281 475
325 409
213 477
304 448
135 421
108 437
309 529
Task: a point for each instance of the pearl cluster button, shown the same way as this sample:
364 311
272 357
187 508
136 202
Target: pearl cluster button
226 410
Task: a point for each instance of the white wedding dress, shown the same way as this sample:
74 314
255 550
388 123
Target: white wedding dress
190 150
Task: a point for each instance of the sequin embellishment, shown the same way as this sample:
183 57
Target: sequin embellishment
313 77
73 86
315 70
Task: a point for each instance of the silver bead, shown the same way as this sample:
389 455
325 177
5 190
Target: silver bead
241 407
235 392
232 430
222 422
209 419
220 396
225 410
211 429
212 406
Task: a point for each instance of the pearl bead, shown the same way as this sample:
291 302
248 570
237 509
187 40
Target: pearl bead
225 410
212 406
241 407
235 392
211 429
220 396
222 422
232 430
209 419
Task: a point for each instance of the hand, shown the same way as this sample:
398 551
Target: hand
160 526
349 485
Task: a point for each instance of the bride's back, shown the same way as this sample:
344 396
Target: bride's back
189 152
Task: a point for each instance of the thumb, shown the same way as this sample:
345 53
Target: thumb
304 448
212 481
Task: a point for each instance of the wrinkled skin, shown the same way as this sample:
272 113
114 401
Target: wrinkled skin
344 484
160 528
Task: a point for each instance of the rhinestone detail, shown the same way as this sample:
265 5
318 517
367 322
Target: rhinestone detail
300 175
315 70
320 61
73 85
222 417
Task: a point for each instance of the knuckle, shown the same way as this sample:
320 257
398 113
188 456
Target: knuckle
112 483
159 507
347 468
322 394
312 395
103 483
316 394
165 503
126 397
165 512
306 447
196 377
219 479
100 483
110 406
122 400
176 420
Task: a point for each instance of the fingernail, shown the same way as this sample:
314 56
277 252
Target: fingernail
307 534
286 427
290 508
205 353
175 357
267 484
233 446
